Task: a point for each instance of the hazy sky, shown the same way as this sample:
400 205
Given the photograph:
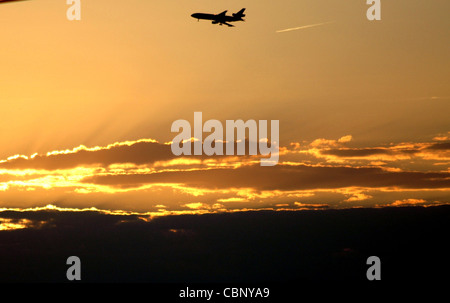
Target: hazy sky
128 69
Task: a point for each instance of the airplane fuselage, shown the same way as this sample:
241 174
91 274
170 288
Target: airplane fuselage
204 16
216 17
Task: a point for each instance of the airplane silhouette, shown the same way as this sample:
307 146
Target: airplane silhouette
4 1
221 18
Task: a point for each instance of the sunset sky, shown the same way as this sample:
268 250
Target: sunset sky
87 106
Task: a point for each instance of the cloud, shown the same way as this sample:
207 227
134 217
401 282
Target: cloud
408 202
407 156
345 139
143 175
439 146
356 152
442 137
282 177
196 205
137 152
119 154
12 224
306 206
414 202
399 149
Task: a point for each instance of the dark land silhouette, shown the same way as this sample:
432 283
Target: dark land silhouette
245 247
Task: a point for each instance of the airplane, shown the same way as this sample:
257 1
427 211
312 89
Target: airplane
221 18
4 1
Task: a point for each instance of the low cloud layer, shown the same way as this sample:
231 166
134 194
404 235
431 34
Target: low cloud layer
144 175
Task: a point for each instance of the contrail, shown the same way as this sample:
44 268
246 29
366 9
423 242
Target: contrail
302 27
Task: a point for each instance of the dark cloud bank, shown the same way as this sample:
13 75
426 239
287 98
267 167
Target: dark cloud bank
137 153
283 177
257 247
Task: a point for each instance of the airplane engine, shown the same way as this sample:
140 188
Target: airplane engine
215 22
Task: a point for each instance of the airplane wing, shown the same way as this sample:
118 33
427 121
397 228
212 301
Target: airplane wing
229 25
222 14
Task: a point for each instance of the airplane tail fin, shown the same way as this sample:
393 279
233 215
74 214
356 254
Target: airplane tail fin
240 14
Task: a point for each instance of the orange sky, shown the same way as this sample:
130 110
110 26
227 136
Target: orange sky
127 70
